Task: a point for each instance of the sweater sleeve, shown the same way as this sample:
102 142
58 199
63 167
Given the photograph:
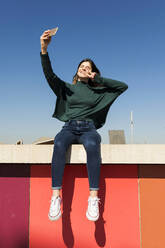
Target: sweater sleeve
55 83
112 84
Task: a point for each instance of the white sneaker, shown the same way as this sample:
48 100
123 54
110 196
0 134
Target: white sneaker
92 212
55 208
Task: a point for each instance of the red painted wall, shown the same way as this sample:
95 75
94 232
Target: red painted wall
118 226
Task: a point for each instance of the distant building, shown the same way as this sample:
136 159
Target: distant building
116 137
44 141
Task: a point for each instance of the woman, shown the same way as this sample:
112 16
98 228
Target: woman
83 106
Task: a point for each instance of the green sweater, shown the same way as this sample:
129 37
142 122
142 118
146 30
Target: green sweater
81 101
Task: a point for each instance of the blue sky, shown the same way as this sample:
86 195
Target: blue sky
124 38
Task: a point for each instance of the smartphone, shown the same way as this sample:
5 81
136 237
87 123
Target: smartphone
53 31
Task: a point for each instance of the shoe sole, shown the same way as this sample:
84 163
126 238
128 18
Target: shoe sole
54 218
91 218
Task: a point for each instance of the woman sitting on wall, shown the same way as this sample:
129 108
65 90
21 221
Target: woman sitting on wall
83 106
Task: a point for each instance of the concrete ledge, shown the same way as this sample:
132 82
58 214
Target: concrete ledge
111 154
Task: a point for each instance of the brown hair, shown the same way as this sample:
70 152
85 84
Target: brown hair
94 69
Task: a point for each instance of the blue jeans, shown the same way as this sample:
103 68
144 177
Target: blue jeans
79 132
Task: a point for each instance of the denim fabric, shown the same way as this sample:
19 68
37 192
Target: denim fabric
77 132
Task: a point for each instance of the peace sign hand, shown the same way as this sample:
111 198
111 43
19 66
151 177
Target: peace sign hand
91 75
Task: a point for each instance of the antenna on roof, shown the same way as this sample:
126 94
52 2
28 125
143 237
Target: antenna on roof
131 125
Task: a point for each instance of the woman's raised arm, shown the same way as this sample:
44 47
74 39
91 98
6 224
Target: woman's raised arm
54 82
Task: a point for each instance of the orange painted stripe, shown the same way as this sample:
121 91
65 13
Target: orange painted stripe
121 206
118 225
152 205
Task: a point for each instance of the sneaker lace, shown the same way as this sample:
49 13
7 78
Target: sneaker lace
53 202
94 202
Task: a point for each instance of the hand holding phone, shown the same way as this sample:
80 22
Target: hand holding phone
45 39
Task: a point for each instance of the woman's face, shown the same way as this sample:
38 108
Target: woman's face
84 69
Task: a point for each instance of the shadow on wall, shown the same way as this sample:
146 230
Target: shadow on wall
144 171
67 196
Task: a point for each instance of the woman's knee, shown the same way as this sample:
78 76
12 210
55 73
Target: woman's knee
62 141
92 145
58 145
59 142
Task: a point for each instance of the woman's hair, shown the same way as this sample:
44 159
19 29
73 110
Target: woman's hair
94 69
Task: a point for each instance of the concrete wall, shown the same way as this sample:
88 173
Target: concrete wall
132 189
111 154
